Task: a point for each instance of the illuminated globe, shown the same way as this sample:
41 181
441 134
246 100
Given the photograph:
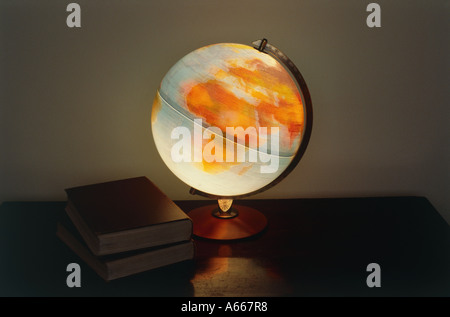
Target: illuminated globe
255 97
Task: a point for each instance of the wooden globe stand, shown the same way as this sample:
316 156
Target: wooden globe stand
226 222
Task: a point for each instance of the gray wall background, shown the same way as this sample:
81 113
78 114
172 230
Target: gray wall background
75 103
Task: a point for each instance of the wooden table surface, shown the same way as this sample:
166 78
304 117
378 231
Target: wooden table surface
311 247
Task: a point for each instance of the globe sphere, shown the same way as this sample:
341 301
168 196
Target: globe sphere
228 119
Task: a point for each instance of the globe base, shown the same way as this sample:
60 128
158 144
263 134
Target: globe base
245 223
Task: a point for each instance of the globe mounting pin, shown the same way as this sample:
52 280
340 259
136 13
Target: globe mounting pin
262 45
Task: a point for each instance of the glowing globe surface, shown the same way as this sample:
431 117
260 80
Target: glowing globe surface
228 86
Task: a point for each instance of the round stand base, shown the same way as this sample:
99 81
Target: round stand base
247 223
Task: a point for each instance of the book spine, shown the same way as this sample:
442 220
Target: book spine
100 268
88 236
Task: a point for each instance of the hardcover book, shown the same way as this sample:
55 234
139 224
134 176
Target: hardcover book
111 267
124 215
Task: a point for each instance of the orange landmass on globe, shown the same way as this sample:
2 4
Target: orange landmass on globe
251 95
215 167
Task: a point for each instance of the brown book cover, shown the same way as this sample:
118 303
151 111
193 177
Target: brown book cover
111 267
126 215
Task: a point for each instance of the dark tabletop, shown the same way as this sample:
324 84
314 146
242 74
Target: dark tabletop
311 247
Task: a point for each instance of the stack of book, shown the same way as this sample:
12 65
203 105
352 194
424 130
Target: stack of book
125 227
